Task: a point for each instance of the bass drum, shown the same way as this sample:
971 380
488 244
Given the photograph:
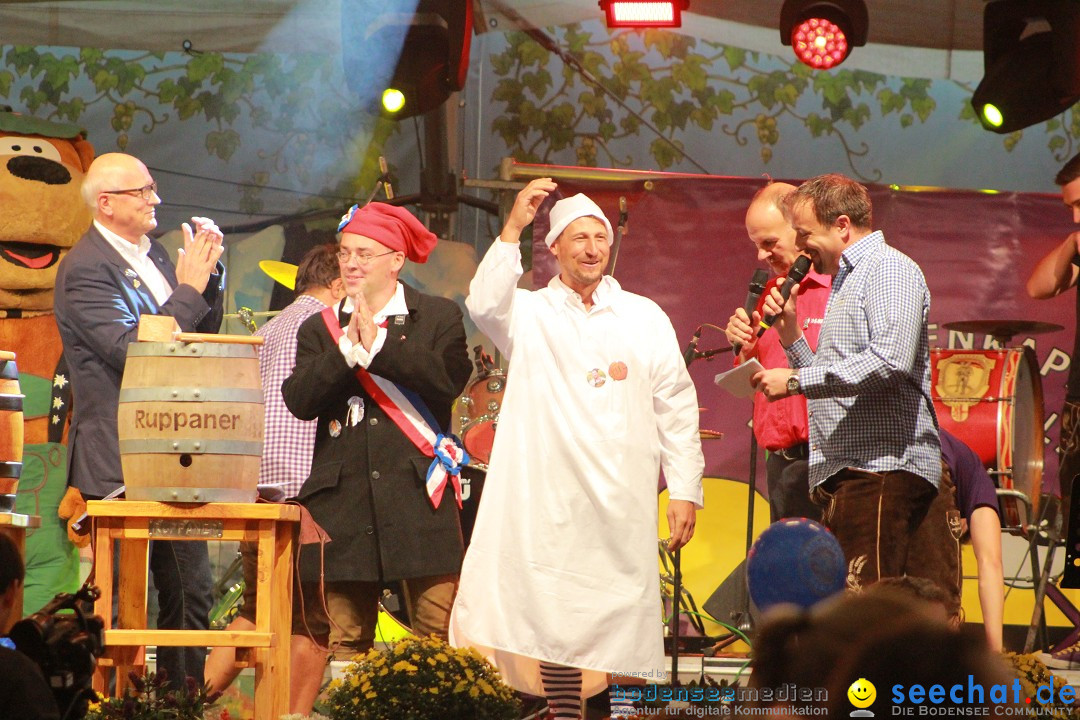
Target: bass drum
993 401
480 407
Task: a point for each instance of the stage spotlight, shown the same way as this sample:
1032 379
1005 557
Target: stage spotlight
432 64
1030 61
644 13
393 100
822 32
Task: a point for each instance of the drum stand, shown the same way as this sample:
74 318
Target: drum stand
1070 577
1040 576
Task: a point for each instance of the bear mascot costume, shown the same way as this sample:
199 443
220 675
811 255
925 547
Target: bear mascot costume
42 214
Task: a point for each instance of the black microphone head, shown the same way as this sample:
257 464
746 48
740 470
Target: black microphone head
759 281
799 268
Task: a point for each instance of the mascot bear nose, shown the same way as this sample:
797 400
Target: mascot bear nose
40 169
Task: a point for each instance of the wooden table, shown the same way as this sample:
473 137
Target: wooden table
15 526
136 523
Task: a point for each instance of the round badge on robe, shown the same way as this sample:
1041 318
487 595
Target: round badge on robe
617 370
335 428
356 410
596 377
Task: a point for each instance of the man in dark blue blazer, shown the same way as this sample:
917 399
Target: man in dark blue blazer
113 275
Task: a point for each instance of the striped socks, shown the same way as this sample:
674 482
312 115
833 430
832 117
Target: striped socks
562 688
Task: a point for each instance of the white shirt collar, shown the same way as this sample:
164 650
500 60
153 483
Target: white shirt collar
604 295
394 306
125 247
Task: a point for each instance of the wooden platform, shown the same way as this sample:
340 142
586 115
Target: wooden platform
133 524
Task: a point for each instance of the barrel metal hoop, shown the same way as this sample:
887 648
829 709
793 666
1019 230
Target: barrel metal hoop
10 469
190 495
11 402
201 446
179 349
190 394
9 370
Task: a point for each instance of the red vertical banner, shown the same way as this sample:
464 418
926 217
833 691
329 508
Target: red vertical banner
687 249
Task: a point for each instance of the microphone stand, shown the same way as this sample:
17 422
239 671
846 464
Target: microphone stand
706 355
742 618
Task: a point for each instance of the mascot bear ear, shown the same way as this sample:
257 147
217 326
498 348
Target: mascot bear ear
85 151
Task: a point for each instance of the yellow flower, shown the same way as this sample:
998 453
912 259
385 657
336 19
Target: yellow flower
404 665
441 657
370 695
354 681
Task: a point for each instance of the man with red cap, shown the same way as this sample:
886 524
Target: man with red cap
380 371
560 587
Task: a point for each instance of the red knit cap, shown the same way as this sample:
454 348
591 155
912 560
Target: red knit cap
392 226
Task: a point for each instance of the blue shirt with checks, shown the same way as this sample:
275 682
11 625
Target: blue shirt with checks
868 385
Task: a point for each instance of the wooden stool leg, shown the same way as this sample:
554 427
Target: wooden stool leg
134 554
272 614
103 573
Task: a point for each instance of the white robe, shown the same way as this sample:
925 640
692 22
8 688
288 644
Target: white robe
562 565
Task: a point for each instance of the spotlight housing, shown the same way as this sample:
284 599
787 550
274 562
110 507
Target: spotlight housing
822 32
433 61
1031 63
643 13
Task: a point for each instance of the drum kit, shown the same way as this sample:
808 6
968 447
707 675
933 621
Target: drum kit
992 400
479 409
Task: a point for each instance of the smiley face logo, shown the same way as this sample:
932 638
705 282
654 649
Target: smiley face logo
862 693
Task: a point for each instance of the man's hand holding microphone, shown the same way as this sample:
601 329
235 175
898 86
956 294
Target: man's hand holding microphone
780 311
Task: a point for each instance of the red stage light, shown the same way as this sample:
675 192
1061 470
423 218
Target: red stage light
643 13
823 32
819 43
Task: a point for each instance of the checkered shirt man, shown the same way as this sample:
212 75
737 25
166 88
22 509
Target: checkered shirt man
868 385
289 443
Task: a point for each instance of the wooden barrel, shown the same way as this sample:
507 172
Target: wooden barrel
191 422
11 431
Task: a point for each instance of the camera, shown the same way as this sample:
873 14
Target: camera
65 645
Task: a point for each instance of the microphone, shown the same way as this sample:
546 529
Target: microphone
385 178
708 354
757 287
795 275
691 348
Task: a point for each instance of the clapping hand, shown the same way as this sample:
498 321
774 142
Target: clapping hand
199 256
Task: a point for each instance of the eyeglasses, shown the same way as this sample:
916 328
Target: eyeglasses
147 192
363 258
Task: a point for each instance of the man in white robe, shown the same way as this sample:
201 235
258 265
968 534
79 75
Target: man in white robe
561 573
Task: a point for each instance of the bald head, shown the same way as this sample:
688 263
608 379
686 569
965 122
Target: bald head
127 213
769 230
108 172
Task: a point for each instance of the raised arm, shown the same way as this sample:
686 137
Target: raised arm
491 292
1056 272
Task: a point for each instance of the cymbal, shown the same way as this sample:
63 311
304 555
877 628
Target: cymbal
710 434
282 272
1004 329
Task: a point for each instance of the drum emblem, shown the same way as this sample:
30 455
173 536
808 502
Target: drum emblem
963 381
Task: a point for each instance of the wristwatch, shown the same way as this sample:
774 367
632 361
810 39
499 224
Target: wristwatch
793 386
